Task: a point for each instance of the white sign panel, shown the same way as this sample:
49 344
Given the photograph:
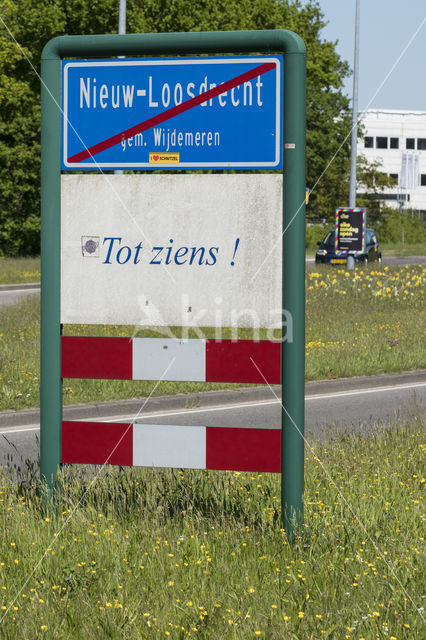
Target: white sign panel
172 250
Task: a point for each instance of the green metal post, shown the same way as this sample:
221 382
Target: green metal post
293 219
293 352
50 352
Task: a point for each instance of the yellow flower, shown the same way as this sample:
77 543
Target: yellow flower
43 627
301 614
170 583
257 633
251 590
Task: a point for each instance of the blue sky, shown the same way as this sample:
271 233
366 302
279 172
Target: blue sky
386 28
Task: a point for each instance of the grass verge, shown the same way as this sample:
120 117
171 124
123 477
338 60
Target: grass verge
17 270
364 322
400 249
149 553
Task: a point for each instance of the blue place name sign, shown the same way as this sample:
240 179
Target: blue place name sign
181 113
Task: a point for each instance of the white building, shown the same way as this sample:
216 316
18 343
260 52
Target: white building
398 139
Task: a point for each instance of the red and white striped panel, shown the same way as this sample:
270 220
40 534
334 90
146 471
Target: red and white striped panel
174 446
171 359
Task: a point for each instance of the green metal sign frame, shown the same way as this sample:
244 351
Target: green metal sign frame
293 240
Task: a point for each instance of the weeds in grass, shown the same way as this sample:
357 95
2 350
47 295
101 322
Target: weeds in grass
364 322
18 270
151 553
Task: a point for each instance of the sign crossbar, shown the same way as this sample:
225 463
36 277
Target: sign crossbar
194 360
188 447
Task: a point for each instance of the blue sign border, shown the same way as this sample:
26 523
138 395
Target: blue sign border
100 162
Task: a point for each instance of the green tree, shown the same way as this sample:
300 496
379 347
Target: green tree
25 27
373 182
33 23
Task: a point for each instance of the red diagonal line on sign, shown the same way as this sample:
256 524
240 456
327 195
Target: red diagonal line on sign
173 111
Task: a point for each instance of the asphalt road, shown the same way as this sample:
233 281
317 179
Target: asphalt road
402 260
331 407
10 296
391 260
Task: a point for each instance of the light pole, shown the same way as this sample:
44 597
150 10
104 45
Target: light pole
121 30
354 139
122 16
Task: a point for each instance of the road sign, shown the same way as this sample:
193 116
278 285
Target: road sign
158 249
251 135
350 230
182 113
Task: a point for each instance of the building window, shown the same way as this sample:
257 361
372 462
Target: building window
394 143
369 142
394 178
421 144
410 143
423 179
381 143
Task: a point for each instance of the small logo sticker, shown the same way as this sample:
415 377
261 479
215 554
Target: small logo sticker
163 158
90 246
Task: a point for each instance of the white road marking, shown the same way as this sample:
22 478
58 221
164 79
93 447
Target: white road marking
19 430
228 407
363 391
14 292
